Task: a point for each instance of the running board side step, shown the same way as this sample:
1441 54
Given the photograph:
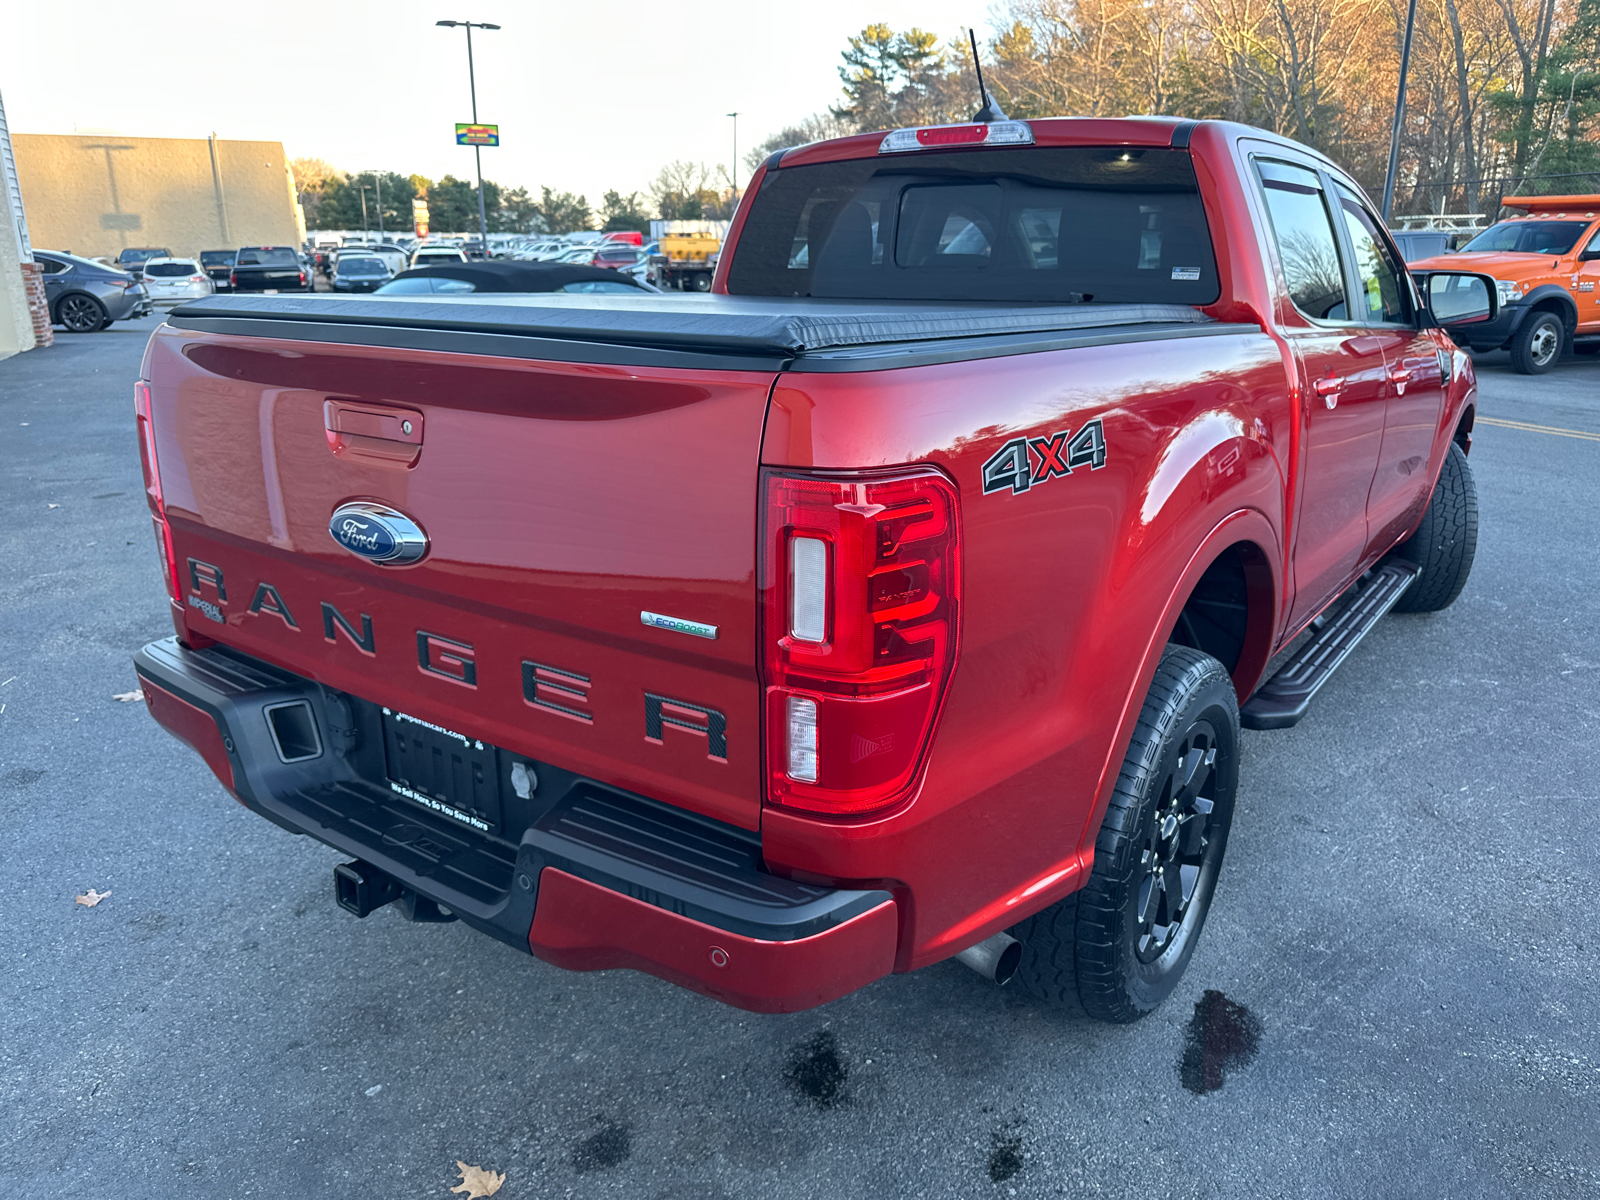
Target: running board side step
1284 699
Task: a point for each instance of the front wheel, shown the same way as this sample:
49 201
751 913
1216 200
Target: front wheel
702 283
81 313
1118 947
1537 345
1446 542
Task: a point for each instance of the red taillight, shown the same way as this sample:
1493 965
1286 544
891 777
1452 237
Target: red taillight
862 588
233 279
152 489
302 279
198 278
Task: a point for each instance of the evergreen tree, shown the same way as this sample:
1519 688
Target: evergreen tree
623 212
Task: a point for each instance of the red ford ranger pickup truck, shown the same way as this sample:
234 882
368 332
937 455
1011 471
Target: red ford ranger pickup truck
894 602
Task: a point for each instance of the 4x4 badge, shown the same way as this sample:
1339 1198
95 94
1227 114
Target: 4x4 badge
1023 462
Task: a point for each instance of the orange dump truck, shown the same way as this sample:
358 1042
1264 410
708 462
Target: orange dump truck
1546 265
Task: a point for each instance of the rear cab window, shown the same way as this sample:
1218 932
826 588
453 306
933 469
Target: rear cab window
171 270
1302 229
267 257
1107 224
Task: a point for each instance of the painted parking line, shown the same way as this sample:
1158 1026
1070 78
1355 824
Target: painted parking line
1523 425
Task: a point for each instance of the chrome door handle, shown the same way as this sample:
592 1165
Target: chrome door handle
1329 388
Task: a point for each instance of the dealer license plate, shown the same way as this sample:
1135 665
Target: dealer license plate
445 772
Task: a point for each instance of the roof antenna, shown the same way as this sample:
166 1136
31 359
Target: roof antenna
991 107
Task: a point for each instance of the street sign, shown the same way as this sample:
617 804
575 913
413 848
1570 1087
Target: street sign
477 135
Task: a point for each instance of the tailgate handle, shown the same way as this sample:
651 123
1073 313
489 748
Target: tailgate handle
376 433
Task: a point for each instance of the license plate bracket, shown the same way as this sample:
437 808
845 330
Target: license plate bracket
443 771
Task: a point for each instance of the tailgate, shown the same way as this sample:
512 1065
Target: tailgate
560 502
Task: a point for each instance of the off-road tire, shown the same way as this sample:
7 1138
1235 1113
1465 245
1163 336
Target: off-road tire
1536 347
81 313
1446 542
1091 952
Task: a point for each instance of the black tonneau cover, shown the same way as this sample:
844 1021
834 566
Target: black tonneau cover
732 331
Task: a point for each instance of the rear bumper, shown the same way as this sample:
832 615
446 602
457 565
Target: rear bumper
580 874
127 305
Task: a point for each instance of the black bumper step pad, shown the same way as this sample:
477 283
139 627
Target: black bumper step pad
701 869
373 823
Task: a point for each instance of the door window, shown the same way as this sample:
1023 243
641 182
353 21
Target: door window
1307 247
1383 298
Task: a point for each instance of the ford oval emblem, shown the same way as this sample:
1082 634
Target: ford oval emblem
377 533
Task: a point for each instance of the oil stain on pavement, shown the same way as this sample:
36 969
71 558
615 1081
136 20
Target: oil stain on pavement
607 1147
1222 1037
1005 1154
816 1072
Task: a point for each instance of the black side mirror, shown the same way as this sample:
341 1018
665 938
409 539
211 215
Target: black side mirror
1458 297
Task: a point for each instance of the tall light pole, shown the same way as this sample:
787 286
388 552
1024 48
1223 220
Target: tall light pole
477 151
1399 113
735 117
363 188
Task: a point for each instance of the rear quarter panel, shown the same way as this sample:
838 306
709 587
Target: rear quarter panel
1070 590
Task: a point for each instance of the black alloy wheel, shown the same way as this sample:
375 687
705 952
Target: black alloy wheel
81 313
1177 847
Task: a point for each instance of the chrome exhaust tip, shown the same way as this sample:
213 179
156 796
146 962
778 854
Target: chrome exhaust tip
996 958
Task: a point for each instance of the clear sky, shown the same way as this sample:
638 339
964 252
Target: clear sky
588 96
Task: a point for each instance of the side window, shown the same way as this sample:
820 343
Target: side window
1307 247
1383 297
50 266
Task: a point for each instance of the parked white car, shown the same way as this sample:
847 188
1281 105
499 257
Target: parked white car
175 281
546 251
434 255
393 257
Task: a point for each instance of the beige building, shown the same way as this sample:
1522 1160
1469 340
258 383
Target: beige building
96 194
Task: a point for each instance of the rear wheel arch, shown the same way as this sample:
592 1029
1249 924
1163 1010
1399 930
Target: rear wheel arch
1229 613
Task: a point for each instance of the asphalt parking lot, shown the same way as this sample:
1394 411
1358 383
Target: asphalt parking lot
1396 990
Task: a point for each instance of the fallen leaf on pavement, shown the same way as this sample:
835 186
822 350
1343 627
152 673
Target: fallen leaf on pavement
52 506
90 898
129 697
475 1181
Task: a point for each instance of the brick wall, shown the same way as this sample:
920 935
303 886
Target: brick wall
38 307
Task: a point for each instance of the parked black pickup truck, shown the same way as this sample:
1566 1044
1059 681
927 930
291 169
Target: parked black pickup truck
268 269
